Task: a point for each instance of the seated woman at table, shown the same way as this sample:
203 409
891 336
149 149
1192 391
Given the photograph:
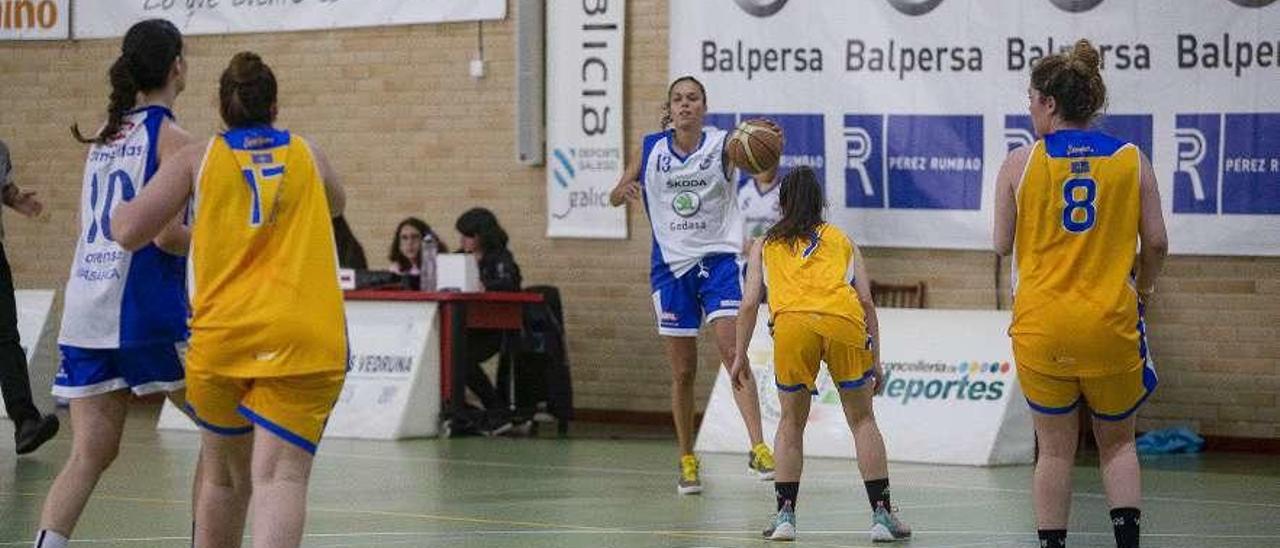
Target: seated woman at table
485 239
406 246
350 252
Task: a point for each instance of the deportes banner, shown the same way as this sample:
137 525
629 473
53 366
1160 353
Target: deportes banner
955 400
111 18
34 19
584 118
908 107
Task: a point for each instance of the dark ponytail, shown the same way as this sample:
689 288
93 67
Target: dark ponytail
146 57
247 91
1074 80
801 199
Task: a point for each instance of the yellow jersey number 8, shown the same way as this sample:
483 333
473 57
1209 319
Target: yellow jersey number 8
1080 214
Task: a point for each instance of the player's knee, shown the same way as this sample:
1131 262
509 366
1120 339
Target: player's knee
281 470
857 411
860 417
227 476
95 456
1111 445
792 419
1057 447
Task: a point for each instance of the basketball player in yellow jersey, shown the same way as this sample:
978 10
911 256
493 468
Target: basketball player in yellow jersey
1072 207
820 299
268 349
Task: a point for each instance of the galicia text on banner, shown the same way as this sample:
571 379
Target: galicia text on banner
584 118
909 107
105 19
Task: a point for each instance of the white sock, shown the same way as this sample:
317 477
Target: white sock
49 539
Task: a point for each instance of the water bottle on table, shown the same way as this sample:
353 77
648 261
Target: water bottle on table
427 266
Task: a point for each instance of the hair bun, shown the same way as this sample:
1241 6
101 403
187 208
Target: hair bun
1086 54
245 67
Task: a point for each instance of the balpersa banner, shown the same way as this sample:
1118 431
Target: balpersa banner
110 18
908 107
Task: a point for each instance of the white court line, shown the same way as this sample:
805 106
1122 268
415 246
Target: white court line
673 532
637 472
627 471
809 514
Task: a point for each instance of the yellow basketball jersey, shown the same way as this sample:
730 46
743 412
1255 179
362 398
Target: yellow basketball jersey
262 267
814 275
1075 312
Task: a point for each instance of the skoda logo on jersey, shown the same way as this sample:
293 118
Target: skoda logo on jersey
686 203
761 8
914 7
1076 6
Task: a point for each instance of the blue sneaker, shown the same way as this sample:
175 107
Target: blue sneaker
886 527
783 526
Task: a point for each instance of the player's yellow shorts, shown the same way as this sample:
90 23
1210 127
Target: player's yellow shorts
801 340
1112 397
295 408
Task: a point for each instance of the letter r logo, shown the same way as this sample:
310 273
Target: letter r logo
864 178
1197 139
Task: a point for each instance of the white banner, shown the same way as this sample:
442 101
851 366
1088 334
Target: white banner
954 400
34 19
584 118
33 309
393 387
111 18
907 107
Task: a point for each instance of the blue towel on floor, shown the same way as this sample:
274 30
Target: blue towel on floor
1165 441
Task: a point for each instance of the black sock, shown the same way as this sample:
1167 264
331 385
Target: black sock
878 493
1125 521
1053 538
787 491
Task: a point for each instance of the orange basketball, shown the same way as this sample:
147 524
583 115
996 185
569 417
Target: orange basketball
755 145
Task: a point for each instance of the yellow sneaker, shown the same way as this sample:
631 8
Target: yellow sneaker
690 483
760 462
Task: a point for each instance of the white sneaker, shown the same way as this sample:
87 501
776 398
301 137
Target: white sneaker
886 527
783 526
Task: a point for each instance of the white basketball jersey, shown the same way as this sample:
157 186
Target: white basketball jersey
759 209
114 298
692 206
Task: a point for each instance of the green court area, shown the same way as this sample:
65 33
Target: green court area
615 487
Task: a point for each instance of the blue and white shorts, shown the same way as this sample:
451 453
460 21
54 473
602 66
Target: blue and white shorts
713 288
144 370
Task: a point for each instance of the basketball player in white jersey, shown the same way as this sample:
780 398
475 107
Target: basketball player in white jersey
125 313
758 202
681 175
